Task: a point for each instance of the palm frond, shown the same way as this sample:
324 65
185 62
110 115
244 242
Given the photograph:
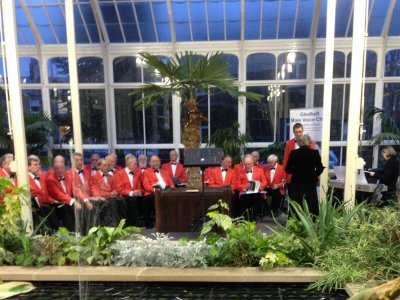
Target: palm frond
390 129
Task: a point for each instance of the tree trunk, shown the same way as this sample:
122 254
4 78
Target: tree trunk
192 140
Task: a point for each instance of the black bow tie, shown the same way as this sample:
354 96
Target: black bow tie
174 164
105 175
61 179
94 169
111 170
80 172
249 172
273 168
224 170
156 170
36 178
131 172
143 168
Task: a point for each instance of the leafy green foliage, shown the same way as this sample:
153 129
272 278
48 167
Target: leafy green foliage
231 141
274 259
188 74
277 148
368 250
390 129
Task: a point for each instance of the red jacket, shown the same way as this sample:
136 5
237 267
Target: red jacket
215 178
150 179
41 192
55 189
88 170
279 178
242 179
80 189
180 172
123 184
98 188
289 147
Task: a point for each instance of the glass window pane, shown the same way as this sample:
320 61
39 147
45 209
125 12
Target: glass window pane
198 18
150 74
39 18
370 68
287 17
60 103
392 63
378 17
233 19
223 110
57 68
304 19
158 120
233 64
216 20
93 116
88 17
269 19
90 70
394 29
322 19
125 69
336 108
128 21
343 13
32 100
162 21
58 21
252 20
338 65
29 70
145 20
292 68
391 101
24 31
260 116
129 121
291 97
111 21
181 20
80 30
261 66
369 98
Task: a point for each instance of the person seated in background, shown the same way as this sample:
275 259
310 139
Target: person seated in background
102 186
223 176
5 169
389 175
175 169
112 164
59 186
92 168
154 178
249 200
275 188
256 159
41 204
142 162
128 185
56 160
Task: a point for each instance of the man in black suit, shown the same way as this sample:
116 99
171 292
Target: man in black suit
305 166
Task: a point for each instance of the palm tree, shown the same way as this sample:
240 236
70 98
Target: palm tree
189 74
390 129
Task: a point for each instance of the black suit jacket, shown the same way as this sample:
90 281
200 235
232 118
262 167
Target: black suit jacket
389 174
305 165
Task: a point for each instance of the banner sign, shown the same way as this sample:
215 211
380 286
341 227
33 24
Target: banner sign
310 118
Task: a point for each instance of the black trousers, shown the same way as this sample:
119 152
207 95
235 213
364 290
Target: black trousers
250 206
305 190
276 200
134 205
148 211
46 213
66 215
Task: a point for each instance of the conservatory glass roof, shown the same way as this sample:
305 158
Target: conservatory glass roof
139 21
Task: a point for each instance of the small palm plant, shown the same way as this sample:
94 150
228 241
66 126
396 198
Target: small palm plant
390 129
189 75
